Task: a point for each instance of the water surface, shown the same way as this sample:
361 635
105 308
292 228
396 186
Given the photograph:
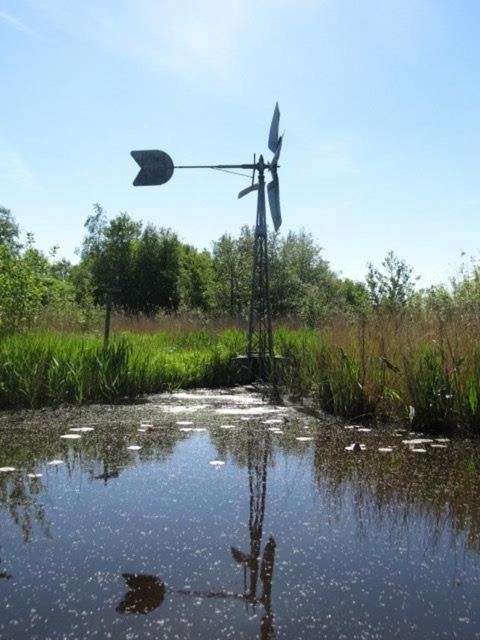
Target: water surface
234 519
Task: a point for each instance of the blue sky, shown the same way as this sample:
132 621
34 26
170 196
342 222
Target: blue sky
379 100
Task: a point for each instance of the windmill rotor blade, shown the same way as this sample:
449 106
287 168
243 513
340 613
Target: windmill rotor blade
156 167
276 155
273 190
273 136
247 190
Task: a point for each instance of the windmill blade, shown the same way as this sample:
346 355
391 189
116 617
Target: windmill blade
273 136
276 155
273 189
247 190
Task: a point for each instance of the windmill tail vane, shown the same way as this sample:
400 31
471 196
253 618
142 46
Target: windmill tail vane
157 167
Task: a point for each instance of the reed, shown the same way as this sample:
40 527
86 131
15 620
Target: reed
386 368
51 368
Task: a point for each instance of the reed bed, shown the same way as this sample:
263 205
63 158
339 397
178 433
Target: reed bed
52 368
388 369
382 368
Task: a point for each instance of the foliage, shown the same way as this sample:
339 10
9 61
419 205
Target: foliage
393 286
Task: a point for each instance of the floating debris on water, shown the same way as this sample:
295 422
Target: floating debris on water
134 447
439 446
418 450
385 449
415 441
252 411
54 463
356 446
273 421
184 422
228 426
7 469
35 476
71 436
442 439
364 429
82 429
183 408
304 438
217 463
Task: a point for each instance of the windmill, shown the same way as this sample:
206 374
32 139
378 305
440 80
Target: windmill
156 167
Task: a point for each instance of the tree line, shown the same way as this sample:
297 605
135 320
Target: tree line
148 270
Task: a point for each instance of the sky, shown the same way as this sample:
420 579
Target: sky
379 101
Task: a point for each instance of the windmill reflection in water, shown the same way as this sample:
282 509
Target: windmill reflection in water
146 592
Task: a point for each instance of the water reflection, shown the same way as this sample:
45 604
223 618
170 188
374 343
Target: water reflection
109 471
4 574
294 536
258 453
146 592
20 497
144 595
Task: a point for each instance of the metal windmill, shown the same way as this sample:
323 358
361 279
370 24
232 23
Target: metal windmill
156 167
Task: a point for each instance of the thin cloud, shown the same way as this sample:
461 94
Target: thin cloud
14 170
16 23
188 35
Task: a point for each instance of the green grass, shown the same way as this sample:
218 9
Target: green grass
380 370
51 368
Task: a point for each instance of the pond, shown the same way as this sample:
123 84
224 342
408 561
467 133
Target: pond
213 514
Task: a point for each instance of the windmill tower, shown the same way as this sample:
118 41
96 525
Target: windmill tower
156 167
260 350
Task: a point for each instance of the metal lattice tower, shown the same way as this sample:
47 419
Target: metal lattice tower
260 336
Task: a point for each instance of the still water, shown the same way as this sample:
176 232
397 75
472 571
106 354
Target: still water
217 515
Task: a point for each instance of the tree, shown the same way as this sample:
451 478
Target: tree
393 286
156 269
9 231
196 279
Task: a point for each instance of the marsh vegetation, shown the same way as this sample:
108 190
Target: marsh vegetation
381 349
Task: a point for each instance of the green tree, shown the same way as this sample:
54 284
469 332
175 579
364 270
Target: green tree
9 231
196 279
392 286
155 276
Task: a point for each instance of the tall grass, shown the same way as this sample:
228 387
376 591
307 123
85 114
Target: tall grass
50 368
410 370
385 368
